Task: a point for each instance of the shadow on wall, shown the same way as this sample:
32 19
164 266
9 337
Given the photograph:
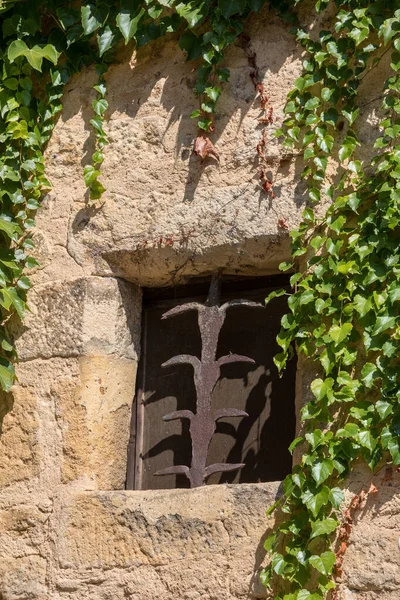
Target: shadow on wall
256 588
6 406
16 329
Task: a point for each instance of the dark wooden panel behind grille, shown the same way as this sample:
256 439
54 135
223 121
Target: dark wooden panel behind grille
260 440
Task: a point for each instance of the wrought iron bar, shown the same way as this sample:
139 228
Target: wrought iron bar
211 317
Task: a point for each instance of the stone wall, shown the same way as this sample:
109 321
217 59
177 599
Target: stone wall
68 531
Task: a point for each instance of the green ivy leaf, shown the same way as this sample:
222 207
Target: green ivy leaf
279 564
388 29
192 12
383 323
306 297
336 497
321 470
9 227
50 53
296 442
314 501
28 165
269 542
362 304
370 373
350 430
306 595
323 527
394 449
324 563
93 17
90 174
7 374
366 439
231 7
338 333
128 24
265 577
315 438
105 39
274 294
100 106
256 5
383 408
325 143
24 283
321 388
213 93
10 298
351 115
33 55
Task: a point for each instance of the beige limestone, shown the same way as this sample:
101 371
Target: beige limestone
177 542
93 417
19 438
167 215
88 315
68 531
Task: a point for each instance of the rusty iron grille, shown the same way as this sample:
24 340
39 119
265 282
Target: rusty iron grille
189 389
206 372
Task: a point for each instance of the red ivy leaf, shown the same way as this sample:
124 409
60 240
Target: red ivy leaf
283 224
267 187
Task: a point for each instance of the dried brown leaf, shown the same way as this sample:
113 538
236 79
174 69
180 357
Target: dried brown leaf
372 489
283 224
204 147
267 187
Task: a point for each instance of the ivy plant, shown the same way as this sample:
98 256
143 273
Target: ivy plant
344 310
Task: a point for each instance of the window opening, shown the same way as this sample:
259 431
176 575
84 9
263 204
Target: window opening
207 368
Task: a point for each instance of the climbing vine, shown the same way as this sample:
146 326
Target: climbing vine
43 44
344 312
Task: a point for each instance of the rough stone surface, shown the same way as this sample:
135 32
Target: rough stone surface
67 530
168 215
181 543
88 315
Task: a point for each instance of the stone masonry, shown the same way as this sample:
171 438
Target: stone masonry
68 530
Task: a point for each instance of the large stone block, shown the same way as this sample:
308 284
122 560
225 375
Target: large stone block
160 197
93 415
372 560
90 315
19 450
188 541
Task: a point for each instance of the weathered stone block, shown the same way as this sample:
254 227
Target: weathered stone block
372 560
22 531
19 451
189 538
93 414
90 315
23 579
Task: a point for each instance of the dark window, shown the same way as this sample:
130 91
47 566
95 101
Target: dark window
260 440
